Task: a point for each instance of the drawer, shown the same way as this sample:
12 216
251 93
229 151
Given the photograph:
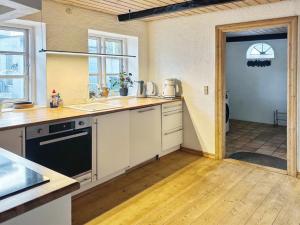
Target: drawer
173 106
171 139
171 120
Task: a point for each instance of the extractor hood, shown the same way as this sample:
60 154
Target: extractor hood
12 9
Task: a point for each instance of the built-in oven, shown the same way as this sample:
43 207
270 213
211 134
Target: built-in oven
65 147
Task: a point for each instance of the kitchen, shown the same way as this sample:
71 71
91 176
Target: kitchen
121 135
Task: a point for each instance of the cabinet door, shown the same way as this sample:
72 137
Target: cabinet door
145 134
172 139
12 140
112 143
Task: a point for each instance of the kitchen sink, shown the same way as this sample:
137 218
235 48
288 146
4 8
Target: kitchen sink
94 107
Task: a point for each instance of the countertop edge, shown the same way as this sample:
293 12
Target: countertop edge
89 114
35 203
23 202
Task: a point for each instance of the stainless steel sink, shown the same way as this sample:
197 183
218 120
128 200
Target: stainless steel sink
94 107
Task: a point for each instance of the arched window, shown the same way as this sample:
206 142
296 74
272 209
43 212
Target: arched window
260 51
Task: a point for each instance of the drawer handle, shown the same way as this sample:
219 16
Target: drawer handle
174 131
63 138
146 110
170 114
172 106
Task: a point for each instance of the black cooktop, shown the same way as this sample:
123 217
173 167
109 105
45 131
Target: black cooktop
15 178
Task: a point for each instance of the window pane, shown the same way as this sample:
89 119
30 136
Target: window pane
110 80
12 65
113 47
93 83
93 46
12 88
93 79
93 65
12 41
260 51
113 65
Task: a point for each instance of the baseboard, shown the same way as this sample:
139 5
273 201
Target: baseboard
170 150
200 153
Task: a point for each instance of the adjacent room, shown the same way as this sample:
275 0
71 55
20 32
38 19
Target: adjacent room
256 96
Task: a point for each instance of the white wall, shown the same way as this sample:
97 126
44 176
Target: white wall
69 32
184 48
190 139
256 92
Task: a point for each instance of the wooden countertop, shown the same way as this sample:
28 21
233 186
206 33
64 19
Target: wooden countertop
21 118
58 186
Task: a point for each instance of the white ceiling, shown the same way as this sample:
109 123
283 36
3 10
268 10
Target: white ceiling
5 9
275 30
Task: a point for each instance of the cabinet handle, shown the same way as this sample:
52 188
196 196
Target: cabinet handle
169 114
174 131
63 138
146 110
172 106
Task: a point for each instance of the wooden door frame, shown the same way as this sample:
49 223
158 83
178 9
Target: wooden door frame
220 134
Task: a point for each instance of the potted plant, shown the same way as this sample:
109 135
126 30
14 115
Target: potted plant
124 81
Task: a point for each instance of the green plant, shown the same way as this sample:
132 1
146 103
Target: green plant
124 81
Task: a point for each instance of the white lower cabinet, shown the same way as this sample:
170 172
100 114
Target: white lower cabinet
145 134
172 127
13 140
112 143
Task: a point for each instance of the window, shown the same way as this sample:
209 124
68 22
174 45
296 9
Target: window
260 51
14 70
104 71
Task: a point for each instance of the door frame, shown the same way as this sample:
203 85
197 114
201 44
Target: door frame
220 133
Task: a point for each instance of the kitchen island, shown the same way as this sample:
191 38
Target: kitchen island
47 204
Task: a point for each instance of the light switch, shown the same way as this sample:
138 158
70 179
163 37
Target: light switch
206 90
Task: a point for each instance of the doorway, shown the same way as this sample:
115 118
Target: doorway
290 24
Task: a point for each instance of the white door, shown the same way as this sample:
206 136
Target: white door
145 134
112 143
13 140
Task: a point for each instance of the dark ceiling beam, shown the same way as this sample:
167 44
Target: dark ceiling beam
259 37
171 9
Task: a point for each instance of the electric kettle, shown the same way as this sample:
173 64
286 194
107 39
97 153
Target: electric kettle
140 92
150 89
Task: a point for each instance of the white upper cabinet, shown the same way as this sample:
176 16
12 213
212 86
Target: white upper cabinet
13 140
145 134
112 143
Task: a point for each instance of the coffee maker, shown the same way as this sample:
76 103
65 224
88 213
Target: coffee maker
170 88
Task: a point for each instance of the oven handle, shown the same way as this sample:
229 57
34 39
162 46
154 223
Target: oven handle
63 138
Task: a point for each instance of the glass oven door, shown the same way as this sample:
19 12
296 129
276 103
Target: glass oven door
69 153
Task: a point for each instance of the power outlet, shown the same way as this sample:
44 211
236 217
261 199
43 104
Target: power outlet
206 90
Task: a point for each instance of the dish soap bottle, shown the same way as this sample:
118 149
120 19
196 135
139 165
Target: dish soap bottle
54 99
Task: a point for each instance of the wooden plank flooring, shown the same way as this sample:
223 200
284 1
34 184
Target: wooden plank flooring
183 188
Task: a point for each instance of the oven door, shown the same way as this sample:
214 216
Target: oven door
69 153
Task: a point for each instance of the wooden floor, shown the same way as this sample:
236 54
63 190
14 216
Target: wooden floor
186 189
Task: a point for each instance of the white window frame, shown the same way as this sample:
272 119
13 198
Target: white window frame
29 62
249 54
101 61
